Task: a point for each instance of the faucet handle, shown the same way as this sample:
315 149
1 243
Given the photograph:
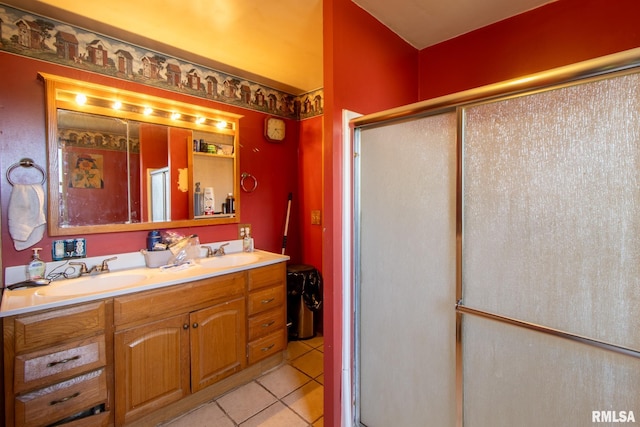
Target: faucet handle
83 267
209 250
220 250
105 267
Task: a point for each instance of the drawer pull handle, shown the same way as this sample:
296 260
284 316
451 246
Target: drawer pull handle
267 301
266 325
263 349
64 399
60 362
195 325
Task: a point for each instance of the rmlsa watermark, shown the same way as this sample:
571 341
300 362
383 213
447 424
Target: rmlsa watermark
613 417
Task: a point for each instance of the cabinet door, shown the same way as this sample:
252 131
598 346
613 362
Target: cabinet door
218 336
152 367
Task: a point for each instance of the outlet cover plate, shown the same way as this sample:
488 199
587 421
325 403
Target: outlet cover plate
242 228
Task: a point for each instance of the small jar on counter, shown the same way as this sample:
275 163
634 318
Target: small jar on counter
153 239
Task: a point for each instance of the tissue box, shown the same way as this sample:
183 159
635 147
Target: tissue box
155 259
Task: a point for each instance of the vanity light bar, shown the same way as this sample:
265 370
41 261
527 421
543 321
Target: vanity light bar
82 99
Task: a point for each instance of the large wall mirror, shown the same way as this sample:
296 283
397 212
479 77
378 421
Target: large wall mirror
120 160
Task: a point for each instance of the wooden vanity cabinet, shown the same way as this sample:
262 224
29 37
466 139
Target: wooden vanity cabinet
130 357
266 311
173 342
58 365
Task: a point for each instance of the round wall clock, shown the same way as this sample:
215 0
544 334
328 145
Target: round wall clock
274 129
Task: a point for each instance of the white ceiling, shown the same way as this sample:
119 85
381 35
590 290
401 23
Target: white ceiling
274 42
424 23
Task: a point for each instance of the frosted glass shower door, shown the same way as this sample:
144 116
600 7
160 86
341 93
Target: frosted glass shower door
551 237
405 277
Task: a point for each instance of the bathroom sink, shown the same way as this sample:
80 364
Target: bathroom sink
91 284
229 260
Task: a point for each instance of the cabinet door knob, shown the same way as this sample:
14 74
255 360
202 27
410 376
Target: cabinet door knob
185 326
195 325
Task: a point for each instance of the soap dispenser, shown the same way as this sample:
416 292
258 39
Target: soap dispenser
246 242
37 267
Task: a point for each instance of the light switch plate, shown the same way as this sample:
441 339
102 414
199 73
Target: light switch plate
315 217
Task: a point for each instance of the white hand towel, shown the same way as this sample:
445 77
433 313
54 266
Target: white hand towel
26 215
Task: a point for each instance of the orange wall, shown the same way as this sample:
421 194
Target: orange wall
560 33
362 74
22 134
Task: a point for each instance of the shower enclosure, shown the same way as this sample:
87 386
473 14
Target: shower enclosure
497 272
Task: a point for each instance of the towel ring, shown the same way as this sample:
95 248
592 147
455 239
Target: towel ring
25 163
251 177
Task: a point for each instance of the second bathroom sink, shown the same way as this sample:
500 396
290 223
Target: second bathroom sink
229 260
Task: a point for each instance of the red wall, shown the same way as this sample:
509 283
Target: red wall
179 159
154 154
560 33
361 74
367 68
310 185
23 134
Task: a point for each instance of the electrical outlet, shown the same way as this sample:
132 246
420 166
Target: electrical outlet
315 217
244 229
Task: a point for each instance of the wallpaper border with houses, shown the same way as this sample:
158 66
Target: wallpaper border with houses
28 34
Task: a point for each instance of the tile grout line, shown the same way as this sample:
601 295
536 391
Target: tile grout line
282 402
286 361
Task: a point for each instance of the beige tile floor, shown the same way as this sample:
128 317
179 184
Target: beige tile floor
290 395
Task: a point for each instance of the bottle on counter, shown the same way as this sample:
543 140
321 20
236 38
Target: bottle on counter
37 267
154 239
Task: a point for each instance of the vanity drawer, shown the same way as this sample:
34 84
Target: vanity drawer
45 406
267 276
149 305
53 327
44 367
264 323
267 346
266 299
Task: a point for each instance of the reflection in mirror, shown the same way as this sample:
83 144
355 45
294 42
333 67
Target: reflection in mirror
160 195
135 166
94 152
214 171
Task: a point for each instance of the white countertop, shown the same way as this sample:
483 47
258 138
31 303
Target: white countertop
127 267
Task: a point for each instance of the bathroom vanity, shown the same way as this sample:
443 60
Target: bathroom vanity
150 346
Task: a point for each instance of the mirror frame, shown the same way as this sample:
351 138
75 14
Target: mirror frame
61 92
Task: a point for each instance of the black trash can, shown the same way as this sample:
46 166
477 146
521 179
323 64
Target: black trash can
304 298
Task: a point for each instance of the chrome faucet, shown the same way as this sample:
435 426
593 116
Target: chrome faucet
215 252
96 269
